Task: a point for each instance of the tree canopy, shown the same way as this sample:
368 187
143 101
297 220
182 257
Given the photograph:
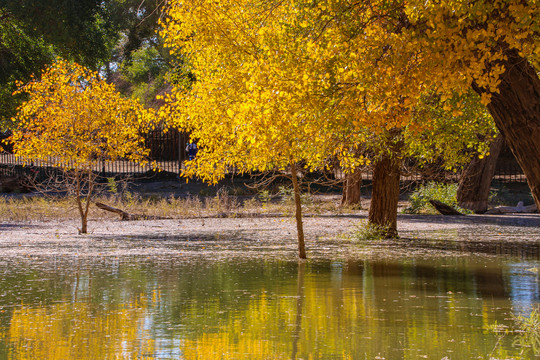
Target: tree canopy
75 121
353 69
76 28
308 82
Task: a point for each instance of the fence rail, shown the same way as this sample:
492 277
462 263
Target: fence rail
168 150
9 161
13 166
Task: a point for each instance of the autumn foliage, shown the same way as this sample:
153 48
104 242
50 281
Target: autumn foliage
75 121
364 83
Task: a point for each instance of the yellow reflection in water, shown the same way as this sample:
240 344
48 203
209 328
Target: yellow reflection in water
363 317
310 320
223 346
76 331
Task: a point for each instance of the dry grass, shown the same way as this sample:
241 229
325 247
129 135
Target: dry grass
38 208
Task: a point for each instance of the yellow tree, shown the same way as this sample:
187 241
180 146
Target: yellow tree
492 47
244 111
447 47
75 121
453 46
289 82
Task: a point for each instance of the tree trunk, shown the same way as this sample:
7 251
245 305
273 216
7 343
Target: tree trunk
474 185
516 111
385 195
351 188
80 205
84 225
299 226
83 179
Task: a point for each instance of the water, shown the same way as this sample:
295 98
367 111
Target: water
442 306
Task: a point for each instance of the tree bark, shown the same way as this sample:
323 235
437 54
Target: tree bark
516 111
351 188
385 195
475 183
297 201
80 202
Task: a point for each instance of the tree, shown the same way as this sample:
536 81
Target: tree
241 117
475 182
75 121
352 184
20 56
493 48
75 28
144 75
289 83
34 32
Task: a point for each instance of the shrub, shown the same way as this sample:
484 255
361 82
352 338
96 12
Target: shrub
287 196
419 199
264 197
368 231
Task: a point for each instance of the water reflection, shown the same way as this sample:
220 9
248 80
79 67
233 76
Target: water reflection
255 309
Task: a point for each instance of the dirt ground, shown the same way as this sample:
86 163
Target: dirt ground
327 235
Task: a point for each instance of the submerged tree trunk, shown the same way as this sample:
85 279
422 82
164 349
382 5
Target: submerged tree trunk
351 188
385 195
516 111
475 183
297 202
84 180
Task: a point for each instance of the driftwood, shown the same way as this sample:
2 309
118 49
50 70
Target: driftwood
519 208
125 216
443 208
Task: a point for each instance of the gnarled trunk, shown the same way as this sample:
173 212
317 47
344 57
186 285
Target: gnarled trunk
475 183
385 195
351 188
516 111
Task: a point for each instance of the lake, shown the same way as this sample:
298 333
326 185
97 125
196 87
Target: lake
445 304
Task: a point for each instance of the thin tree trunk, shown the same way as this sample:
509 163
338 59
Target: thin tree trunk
299 226
351 188
89 195
516 111
385 195
475 183
78 194
82 179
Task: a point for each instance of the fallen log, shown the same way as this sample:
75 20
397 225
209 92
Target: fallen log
519 208
443 208
125 216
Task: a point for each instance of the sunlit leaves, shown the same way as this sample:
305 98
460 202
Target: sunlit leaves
313 80
74 119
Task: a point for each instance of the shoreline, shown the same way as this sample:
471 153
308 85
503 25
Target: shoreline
327 236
